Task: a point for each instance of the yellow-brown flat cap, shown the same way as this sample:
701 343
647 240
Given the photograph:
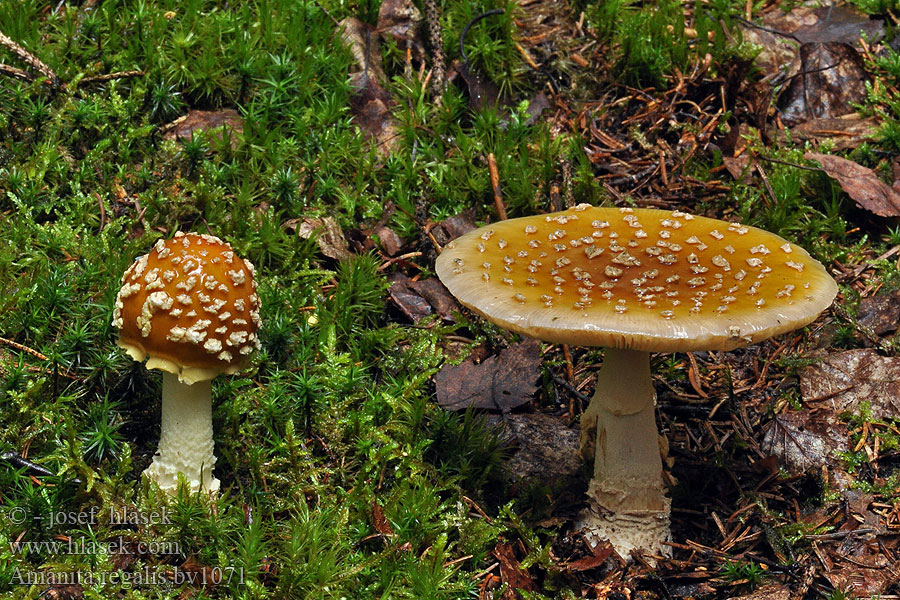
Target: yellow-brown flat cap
641 279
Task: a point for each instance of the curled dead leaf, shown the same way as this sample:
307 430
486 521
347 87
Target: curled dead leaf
327 234
860 183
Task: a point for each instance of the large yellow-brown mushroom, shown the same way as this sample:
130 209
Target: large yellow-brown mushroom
634 281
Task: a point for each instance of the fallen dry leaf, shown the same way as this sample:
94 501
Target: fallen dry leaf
453 227
379 520
63 592
737 166
859 566
511 571
371 103
825 81
501 382
805 439
419 299
326 232
402 21
842 381
599 555
806 23
881 312
413 306
389 240
860 183
184 127
438 296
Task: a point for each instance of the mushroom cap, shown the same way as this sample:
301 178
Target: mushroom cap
640 279
191 305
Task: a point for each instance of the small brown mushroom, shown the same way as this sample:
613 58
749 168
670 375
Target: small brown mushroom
190 304
634 281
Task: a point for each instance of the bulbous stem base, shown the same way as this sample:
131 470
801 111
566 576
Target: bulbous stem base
185 442
627 501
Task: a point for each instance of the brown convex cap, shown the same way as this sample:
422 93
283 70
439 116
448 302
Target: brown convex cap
640 279
191 305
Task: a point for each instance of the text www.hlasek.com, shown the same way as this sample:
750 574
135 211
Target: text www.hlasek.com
162 577
92 547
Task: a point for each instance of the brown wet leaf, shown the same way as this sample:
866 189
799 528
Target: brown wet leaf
825 81
842 381
440 299
881 312
419 299
735 154
453 227
859 566
371 103
805 439
126 552
536 107
860 183
501 382
737 166
379 521
184 127
389 240
326 232
804 24
195 573
599 555
483 93
413 306
511 571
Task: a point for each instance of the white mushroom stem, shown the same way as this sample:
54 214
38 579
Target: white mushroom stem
627 501
185 442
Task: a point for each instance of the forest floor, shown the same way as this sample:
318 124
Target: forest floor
386 442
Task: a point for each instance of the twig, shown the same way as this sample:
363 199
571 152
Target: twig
495 183
571 389
15 73
790 164
436 42
102 211
749 23
22 348
29 59
110 76
402 257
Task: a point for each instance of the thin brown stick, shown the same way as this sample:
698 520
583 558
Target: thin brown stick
29 59
436 43
694 376
15 73
102 212
495 183
22 348
110 76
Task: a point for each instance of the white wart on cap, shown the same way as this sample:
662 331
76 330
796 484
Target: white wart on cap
191 305
641 279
